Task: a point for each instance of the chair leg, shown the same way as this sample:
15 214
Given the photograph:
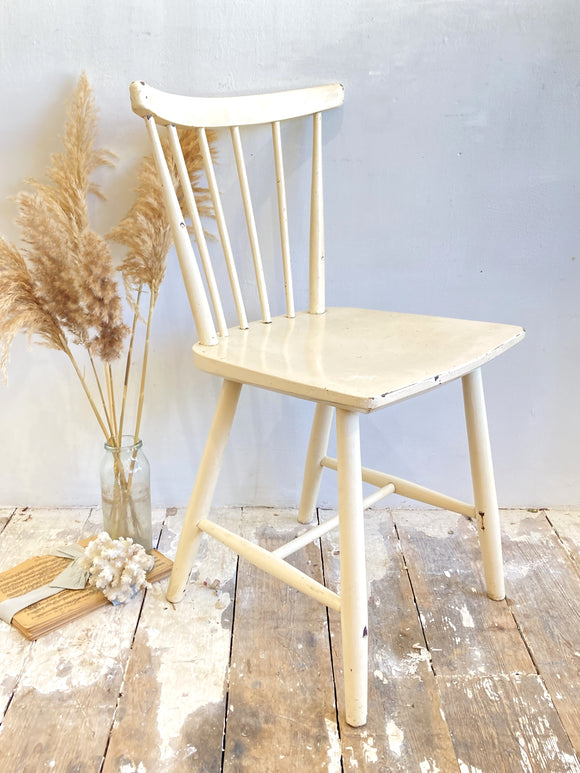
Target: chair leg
484 491
203 490
353 585
317 449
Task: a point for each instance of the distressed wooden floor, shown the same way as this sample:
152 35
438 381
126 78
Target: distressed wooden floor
245 674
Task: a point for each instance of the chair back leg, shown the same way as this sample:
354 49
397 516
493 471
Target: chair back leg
353 584
203 490
317 449
484 491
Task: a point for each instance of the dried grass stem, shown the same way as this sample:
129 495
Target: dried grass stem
61 286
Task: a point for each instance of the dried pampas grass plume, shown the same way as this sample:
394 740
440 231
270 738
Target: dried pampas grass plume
70 171
145 229
61 286
72 265
21 310
146 233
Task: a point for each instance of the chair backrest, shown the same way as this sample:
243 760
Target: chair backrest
172 111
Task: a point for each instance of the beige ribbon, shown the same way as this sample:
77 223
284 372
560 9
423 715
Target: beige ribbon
74 577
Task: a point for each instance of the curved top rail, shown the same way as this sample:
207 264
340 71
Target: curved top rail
213 112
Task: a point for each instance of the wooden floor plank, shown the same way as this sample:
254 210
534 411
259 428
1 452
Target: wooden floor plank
405 730
466 632
513 727
567 526
158 699
543 588
281 714
6 514
29 533
172 711
33 532
71 679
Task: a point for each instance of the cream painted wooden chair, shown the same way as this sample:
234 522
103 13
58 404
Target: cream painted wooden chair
353 361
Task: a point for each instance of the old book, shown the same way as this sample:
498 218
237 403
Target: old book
53 612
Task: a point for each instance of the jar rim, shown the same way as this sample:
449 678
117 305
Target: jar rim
127 444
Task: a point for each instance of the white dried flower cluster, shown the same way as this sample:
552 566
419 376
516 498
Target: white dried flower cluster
117 567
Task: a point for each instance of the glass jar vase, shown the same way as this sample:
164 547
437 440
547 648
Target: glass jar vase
126 492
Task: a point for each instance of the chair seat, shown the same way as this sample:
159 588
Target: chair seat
358 359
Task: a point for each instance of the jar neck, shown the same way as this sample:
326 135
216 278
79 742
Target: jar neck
127 444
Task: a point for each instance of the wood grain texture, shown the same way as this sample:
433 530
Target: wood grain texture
514 725
29 533
6 514
405 730
79 666
544 593
466 632
171 713
281 713
567 526
144 688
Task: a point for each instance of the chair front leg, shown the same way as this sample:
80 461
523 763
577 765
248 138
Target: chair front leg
317 449
484 491
203 490
353 585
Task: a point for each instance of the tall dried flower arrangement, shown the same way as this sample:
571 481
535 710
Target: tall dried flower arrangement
61 285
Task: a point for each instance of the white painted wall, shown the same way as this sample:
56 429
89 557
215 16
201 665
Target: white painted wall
453 188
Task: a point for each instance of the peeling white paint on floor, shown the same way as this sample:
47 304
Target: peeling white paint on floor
432 523
525 760
409 665
536 738
352 762
370 753
490 691
378 559
190 662
186 674
333 753
395 737
521 527
82 653
537 734
15 650
428 766
466 618
128 767
514 572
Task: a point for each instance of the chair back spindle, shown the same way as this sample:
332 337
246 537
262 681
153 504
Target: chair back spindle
233 113
251 223
198 231
283 218
223 229
187 262
317 294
